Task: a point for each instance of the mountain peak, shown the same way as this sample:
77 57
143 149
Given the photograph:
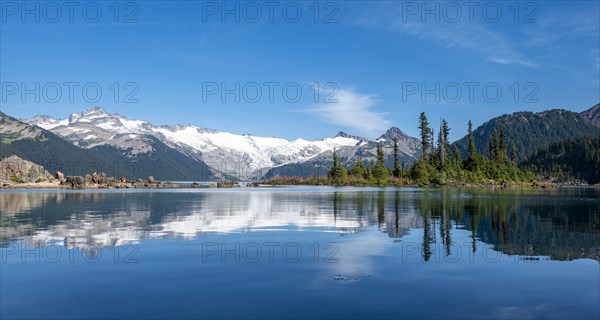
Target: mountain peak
394 133
88 115
94 110
45 122
40 118
395 130
343 134
592 115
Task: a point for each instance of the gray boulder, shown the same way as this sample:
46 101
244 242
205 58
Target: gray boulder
75 181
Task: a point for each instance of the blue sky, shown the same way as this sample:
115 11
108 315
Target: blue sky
372 60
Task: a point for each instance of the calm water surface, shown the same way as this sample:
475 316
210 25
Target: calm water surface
302 252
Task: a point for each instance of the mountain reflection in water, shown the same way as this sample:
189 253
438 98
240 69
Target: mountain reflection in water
561 224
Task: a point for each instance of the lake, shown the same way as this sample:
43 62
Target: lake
301 252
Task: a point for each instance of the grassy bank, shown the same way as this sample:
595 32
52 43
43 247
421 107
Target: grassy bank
398 182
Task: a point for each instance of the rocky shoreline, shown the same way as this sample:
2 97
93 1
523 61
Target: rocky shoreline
16 173
98 181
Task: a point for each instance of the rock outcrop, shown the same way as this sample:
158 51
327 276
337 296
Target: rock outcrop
60 176
18 173
16 170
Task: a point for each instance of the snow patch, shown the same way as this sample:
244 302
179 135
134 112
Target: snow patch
216 148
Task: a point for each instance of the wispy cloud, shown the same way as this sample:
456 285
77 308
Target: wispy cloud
560 28
565 33
354 111
471 38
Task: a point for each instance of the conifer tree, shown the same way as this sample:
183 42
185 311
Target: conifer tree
513 151
502 147
431 141
443 143
472 146
337 171
333 168
472 156
493 150
440 149
425 134
358 170
380 155
397 168
368 175
379 171
456 155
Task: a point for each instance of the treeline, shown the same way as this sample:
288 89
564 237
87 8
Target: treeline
437 165
531 131
574 159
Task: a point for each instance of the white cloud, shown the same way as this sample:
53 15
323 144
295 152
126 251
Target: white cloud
470 38
560 28
353 110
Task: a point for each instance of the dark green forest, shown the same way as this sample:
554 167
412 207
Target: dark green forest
531 131
567 160
56 154
438 164
521 148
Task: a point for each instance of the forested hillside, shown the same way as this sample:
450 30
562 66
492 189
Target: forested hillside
56 154
531 131
592 115
569 159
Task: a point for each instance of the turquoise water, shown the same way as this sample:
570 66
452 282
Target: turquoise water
302 252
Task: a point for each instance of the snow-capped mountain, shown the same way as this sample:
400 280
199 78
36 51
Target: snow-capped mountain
54 153
46 122
242 156
246 155
94 127
408 151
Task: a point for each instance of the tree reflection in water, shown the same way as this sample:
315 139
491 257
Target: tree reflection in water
561 224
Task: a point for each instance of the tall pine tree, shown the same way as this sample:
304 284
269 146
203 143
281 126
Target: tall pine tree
397 168
493 150
472 156
380 172
502 146
425 134
337 171
443 143
513 151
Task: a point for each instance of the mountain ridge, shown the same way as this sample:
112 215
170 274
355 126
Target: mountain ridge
248 157
531 131
244 156
54 153
592 115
